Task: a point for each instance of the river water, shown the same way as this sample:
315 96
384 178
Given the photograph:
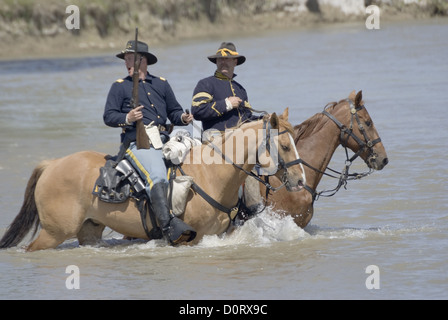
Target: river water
395 219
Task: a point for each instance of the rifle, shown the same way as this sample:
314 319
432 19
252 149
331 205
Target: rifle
142 139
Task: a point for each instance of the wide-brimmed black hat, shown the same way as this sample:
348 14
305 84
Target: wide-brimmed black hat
227 50
142 48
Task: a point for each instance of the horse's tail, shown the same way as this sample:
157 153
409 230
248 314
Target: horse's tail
28 215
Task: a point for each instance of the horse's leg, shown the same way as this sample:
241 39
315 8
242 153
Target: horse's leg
56 228
90 233
61 217
45 240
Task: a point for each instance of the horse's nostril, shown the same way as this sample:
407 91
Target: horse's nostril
385 161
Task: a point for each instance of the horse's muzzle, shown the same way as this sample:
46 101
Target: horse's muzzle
293 183
377 162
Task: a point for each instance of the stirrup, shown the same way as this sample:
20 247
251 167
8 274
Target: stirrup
186 236
179 232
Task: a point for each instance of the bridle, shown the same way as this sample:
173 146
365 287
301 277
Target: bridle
269 145
345 134
369 144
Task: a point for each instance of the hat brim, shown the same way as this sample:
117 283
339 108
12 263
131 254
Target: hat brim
152 59
241 59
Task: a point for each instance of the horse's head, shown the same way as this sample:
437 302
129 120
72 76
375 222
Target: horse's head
358 132
280 145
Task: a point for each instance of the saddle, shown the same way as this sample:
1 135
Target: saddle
118 181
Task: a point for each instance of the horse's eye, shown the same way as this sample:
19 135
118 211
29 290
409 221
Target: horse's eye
285 148
368 123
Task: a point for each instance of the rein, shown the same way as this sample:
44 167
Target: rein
267 145
233 212
345 176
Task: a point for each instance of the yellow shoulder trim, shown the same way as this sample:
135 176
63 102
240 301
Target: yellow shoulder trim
198 99
163 79
119 80
205 95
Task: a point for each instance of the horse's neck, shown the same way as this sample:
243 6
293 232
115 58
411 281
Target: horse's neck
231 177
221 179
318 149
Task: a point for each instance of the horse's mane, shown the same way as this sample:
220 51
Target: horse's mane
306 128
315 123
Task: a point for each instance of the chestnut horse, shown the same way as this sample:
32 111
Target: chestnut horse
346 123
59 197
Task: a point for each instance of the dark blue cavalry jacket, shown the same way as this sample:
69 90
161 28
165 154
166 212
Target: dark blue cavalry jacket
154 93
209 104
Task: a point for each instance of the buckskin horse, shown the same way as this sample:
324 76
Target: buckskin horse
59 199
346 123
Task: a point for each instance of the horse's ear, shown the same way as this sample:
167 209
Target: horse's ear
285 115
274 121
358 99
352 95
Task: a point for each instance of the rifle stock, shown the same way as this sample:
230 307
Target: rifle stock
142 140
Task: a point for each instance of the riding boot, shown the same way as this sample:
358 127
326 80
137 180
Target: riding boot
173 228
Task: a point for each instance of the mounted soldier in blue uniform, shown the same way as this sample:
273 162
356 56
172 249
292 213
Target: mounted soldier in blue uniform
157 104
219 101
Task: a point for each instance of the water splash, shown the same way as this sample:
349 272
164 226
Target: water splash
265 228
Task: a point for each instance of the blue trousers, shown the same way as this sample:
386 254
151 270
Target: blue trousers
149 163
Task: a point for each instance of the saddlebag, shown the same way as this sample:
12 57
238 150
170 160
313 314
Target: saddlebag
117 182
